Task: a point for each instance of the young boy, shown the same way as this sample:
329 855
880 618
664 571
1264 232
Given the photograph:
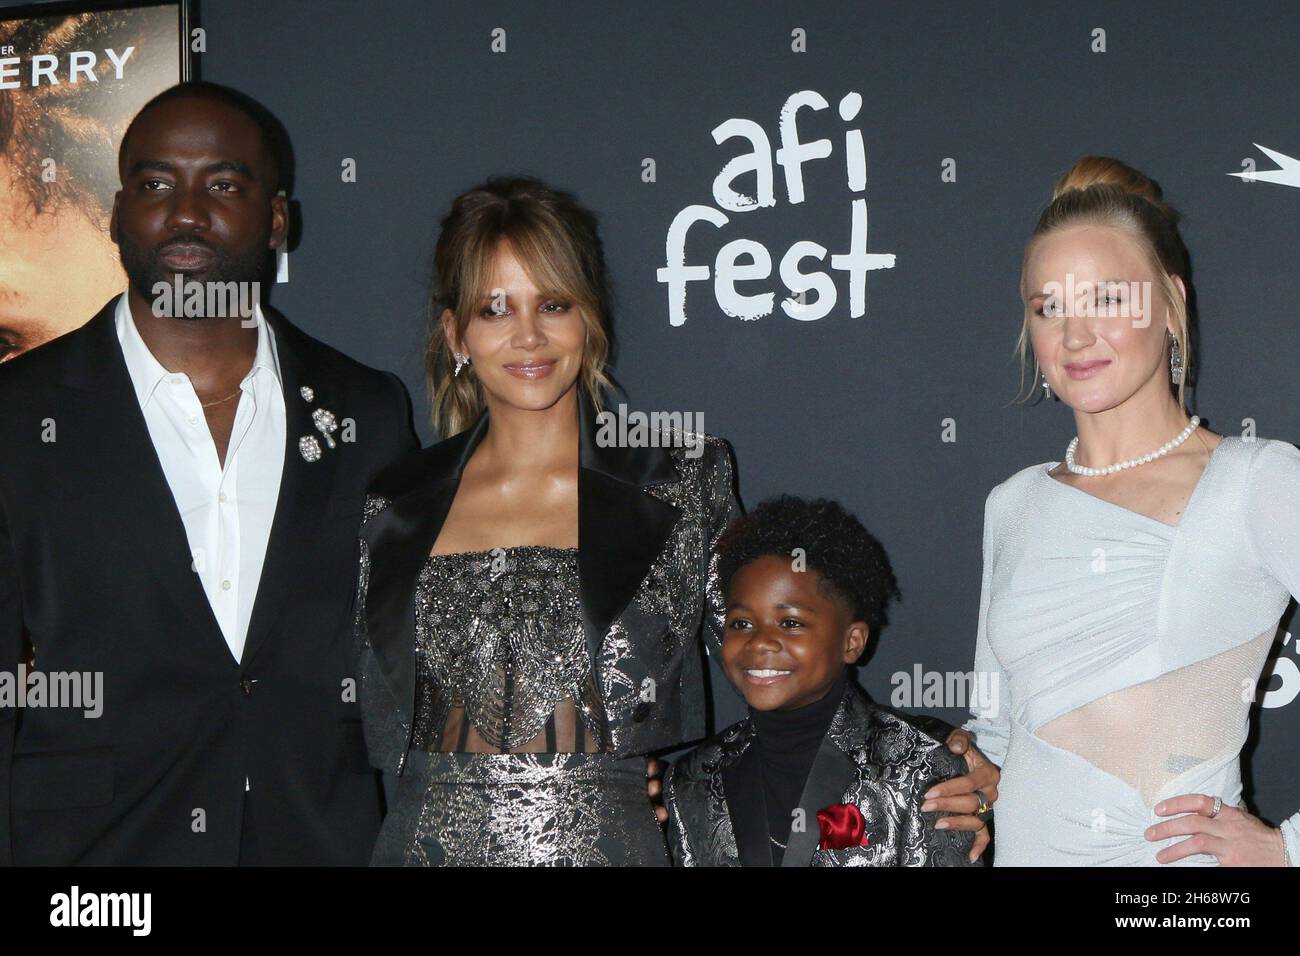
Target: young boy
817 775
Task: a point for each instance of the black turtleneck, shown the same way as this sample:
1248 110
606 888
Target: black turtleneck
787 742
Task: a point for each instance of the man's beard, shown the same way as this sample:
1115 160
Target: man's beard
145 269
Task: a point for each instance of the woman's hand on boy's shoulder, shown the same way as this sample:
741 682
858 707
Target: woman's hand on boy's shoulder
961 795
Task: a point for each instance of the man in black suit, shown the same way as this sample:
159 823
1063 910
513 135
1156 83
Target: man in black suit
180 497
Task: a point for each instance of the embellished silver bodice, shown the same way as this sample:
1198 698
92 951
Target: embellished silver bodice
646 692
501 657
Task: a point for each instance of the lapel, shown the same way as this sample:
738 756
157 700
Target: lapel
833 773
145 523
305 486
621 530
148 514
741 776
420 489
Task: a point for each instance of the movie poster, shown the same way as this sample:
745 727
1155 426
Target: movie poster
71 78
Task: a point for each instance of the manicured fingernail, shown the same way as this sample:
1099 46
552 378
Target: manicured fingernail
941 825
928 805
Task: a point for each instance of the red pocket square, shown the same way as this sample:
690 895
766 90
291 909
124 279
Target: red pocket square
841 826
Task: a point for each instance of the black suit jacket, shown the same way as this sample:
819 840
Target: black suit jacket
880 760
95 572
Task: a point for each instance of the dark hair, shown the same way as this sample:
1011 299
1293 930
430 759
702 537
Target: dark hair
845 555
275 138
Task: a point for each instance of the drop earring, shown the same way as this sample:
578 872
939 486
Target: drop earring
1175 360
1047 389
461 362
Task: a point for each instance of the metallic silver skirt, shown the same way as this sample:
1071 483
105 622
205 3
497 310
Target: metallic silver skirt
468 809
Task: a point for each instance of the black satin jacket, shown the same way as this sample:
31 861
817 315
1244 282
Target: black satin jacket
648 518
874 757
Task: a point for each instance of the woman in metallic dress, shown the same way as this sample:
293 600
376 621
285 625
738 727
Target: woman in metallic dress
530 594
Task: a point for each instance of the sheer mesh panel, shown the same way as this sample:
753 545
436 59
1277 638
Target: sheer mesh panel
565 732
1150 733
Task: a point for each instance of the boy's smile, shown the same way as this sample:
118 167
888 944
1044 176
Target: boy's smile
788 637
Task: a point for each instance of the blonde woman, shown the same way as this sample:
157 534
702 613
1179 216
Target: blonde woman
1131 592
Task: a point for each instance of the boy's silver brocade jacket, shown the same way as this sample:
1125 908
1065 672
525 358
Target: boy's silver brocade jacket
876 758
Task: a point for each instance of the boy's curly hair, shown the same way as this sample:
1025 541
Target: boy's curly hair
845 555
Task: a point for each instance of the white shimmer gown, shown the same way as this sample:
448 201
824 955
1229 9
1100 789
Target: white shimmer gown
1127 651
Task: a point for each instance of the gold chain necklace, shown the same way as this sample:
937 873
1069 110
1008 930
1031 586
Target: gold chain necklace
220 400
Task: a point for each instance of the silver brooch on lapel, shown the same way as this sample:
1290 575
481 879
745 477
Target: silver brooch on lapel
309 447
326 424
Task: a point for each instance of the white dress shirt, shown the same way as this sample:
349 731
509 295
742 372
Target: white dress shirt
227 510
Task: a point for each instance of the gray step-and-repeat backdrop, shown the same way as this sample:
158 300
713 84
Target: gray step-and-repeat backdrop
943 126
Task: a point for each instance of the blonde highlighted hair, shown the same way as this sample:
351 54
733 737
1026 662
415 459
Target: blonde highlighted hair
557 242
1101 191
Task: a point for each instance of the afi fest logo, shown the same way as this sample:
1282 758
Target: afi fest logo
744 260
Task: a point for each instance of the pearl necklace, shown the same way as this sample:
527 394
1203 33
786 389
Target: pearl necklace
1160 452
